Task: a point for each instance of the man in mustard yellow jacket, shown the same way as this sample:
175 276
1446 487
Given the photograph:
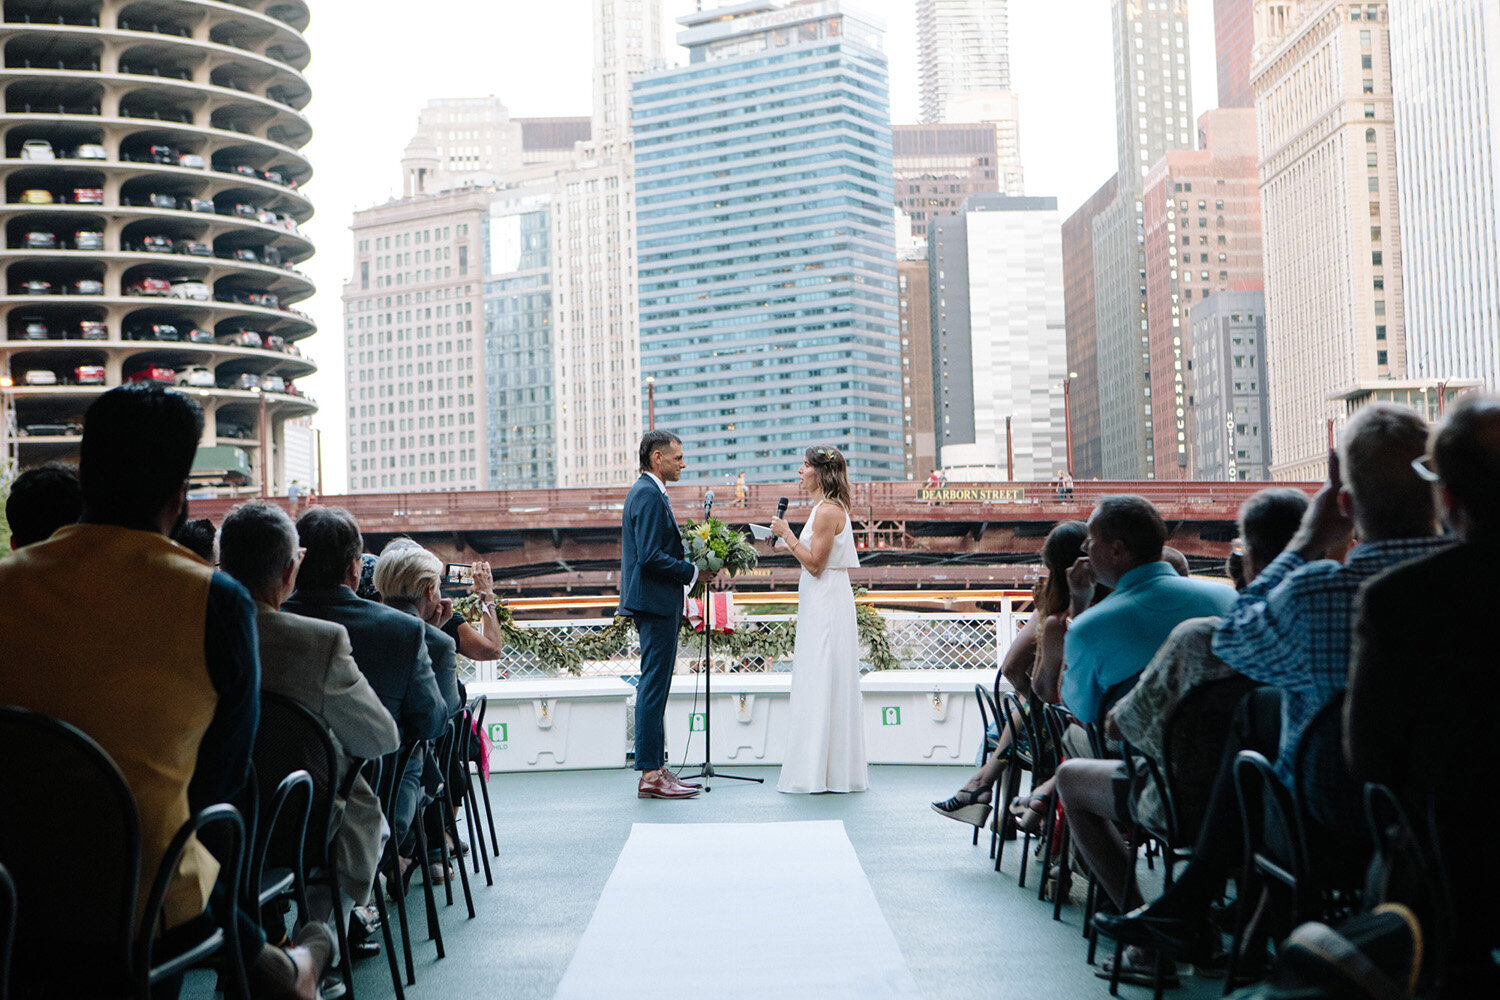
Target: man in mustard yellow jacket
165 676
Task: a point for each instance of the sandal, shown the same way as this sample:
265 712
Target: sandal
966 806
1029 812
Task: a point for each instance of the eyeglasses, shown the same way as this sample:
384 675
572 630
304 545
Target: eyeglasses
1423 467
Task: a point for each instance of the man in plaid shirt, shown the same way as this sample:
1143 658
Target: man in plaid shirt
1292 628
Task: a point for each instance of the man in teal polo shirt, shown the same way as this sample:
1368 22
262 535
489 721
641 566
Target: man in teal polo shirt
1114 640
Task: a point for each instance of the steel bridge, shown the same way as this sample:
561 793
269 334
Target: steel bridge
965 535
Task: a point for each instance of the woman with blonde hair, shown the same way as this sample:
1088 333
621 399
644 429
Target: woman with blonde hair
826 745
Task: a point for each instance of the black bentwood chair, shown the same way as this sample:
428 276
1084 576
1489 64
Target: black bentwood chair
78 838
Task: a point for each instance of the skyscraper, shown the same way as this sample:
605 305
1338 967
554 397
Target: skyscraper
1445 74
414 345
1332 233
999 350
1082 329
964 64
1202 226
766 241
937 168
963 49
468 141
1234 44
1153 102
1229 439
916 364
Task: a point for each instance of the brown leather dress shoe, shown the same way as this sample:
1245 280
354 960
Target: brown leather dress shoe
656 785
672 777
292 973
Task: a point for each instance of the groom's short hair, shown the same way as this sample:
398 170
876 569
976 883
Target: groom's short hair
655 441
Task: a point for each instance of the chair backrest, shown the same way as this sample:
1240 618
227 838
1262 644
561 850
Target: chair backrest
1192 747
7 928
988 715
1115 692
71 839
1273 837
292 738
1326 792
1023 735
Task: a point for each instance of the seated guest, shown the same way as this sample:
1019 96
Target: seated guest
1407 720
409 579
1112 642
389 647
1094 791
42 500
178 714
312 662
198 537
1064 545
1291 629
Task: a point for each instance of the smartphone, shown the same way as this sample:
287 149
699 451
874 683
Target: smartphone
461 573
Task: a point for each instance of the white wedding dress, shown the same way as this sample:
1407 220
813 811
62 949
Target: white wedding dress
825 749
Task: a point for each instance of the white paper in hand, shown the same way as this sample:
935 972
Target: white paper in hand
760 533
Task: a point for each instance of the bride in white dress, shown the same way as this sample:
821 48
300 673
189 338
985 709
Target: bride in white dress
826 745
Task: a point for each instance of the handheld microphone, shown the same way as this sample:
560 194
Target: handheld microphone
708 502
781 508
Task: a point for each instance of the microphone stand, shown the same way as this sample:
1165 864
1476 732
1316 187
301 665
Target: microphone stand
707 772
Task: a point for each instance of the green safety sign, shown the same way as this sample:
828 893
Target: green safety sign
890 715
697 722
499 732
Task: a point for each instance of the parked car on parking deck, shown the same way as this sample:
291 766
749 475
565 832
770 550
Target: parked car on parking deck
194 248
90 329
36 196
244 338
154 373
196 336
154 244
272 383
245 381
88 196
152 331
36 287
149 286
162 154
52 430
33 328
37 240
39 376
90 151
197 376
88 286
89 374
37 149
195 205
192 160
88 239
190 288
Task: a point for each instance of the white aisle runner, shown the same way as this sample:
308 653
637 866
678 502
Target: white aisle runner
761 911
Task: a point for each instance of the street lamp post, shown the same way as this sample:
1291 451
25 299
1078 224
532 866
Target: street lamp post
1010 455
1068 417
265 448
650 402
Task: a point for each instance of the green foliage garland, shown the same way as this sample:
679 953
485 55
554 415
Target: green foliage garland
767 642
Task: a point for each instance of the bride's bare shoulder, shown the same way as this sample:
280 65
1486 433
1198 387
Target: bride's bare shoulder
831 516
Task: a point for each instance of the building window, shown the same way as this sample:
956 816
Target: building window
1380 358
1369 111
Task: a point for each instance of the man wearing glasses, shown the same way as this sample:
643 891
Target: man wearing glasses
1291 628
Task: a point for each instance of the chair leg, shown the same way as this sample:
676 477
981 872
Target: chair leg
467 801
476 836
389 938
1049 829
450 823
484 790
1060 889
400 898
341 928
434 929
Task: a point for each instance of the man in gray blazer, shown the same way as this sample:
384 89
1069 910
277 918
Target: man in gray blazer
311 662
389 647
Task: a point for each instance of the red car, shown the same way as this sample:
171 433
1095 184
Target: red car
88 196
149 286
154 374
89 374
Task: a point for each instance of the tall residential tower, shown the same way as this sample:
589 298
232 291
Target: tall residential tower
768 299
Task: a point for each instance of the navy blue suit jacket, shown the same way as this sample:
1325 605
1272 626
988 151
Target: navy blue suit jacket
653 570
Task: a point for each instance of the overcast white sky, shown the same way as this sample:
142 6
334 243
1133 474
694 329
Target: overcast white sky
376 62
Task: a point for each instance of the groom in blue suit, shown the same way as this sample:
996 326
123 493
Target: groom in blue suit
653 573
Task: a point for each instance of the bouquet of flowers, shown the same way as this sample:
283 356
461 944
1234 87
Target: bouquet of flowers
712 546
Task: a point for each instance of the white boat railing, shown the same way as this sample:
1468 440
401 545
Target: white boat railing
920 641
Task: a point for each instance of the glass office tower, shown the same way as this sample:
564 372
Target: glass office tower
766 243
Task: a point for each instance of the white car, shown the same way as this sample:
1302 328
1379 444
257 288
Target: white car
272 383
197 376
190 289
40 376
192 160
37 149
91 151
